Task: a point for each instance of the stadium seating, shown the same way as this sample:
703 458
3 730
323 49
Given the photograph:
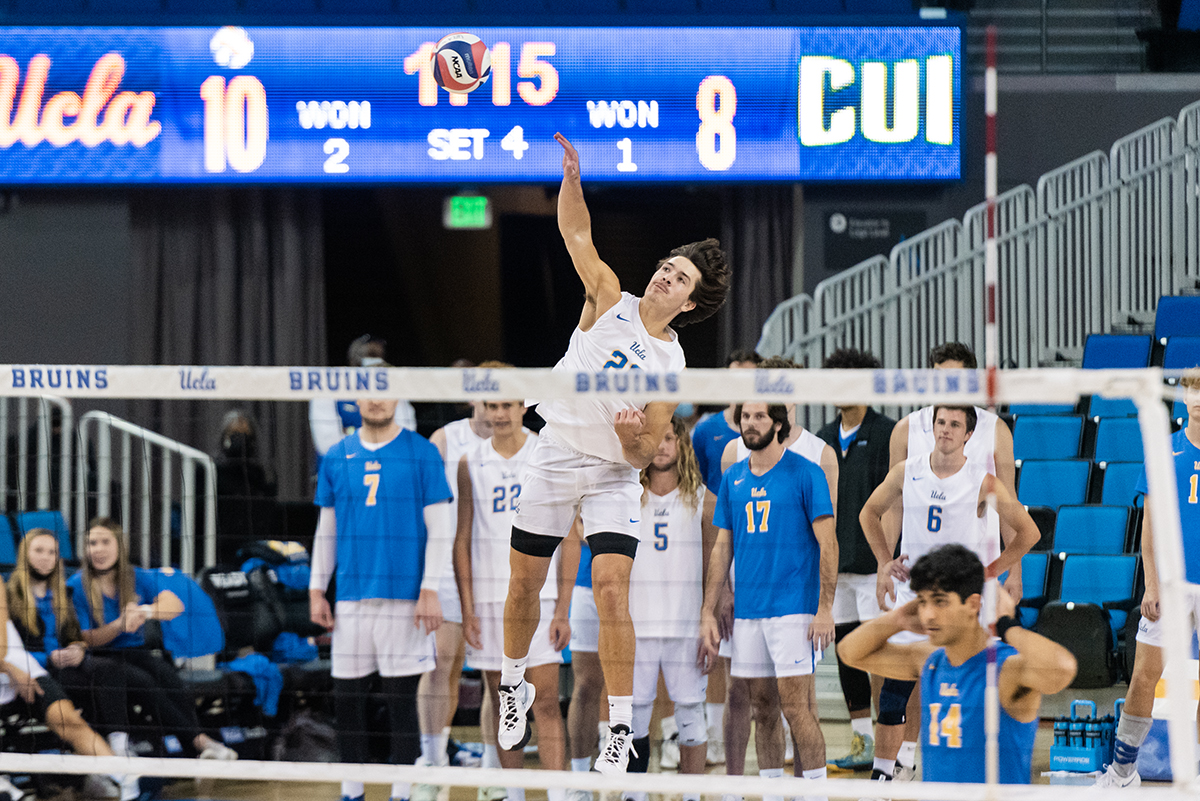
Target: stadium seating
1181 353
1109 351
1047 437
1100 408
51 519
1179 413
1034 572
1177 317
1044 518
1053 482
1119 483
1091 529
1018 409
1118 439
8 542
1105 579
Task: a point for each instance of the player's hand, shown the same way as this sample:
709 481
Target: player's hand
134 618
570 157
319 611
908 618
885 589
472 630
724 612
710 641
560 632
820 631
429 611
1150 607
71 656
25 685
628 424
1013 587
704 661
1005 604
899 567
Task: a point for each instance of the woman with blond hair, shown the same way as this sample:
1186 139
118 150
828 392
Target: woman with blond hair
113 600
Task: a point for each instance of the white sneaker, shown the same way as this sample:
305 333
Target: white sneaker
716 752
9 789
425 792
131 787
98 786
901 773
614 758
514 715
1110 779
670 753
219 751
579 795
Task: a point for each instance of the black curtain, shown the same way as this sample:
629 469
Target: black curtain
230 276
756 233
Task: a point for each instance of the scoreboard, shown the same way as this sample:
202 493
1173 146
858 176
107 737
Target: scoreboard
360 105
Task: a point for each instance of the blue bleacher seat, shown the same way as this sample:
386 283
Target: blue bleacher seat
1099 407
1118 439
1108 351
1177 317
8 542
53 520
1018 409
1179 412
1047 436
1119 482
1091 529
1034 571
1100 579
1181 353
1053 482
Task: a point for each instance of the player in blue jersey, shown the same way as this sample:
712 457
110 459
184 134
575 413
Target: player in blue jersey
1148 660
952 668
385 524
775 520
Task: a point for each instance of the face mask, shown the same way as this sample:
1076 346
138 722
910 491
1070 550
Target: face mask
38 575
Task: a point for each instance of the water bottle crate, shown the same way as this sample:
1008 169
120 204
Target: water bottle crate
1083 743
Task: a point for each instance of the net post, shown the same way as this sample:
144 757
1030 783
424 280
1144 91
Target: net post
1168 559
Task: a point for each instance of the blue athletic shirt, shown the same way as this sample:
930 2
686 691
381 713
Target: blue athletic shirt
770 516
709 438
1187 480
952 722
45 609
583 578
379 499
146 586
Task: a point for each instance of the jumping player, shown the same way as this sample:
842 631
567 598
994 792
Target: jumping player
951 665
1148 660
588 457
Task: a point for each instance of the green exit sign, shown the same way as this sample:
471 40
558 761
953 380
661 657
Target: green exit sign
467 212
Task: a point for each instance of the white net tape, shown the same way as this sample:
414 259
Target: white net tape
872 387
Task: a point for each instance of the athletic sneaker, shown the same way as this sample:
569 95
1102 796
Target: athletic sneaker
10 790
716 752
356 798
465 755
491 794
579 795
614 757
219 751
131 787
1110 779
903 773
515 702
97 786
670 753
877 775
861 756
424 792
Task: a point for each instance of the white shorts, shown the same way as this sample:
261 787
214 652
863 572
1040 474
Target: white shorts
18 656
773 646
379 634
585 621
1150 631
676 657
854 600
559 482
725 649
448 598
491 631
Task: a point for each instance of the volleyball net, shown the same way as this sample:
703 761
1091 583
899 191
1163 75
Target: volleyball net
120 455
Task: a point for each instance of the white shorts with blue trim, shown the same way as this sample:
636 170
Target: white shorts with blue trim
379 634
773 646
585 621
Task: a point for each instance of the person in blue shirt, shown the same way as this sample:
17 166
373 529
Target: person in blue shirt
774 518
385 528
1136 716
113 600
952 668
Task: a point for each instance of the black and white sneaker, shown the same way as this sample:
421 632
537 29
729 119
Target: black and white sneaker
614 758
515 702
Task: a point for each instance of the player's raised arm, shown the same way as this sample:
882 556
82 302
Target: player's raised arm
641 432
601 287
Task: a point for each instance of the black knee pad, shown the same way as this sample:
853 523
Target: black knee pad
893 701
531 544
639 757
609 542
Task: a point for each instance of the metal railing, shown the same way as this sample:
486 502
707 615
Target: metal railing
35 431
1090 249
151 448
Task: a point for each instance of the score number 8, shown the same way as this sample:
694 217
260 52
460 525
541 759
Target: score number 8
716 100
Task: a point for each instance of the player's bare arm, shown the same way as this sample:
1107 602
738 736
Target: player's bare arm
1040 667
641 432
898 443
1150 607
1013 516
438 438
568 568
1006 472
600 285
718 574
829 464
821 630
867 647
729 455
885 496
463 574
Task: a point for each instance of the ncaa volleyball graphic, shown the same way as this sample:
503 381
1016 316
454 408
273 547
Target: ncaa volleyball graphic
461 63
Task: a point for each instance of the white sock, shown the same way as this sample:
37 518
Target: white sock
620 711
491 757
581 765
516 794
669 727
862 726
352 789
118 741
886 765
400 790
815 773
512 672
715 714
433 749
908 754
771 773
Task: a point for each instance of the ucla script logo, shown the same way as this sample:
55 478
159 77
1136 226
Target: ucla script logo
190 379
769 383
476 381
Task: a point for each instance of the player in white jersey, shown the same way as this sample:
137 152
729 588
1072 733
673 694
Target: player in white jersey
587 458
992 446
666 592
804 442
488 481
943 499
438 693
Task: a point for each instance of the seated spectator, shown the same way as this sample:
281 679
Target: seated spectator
26 688
113 600
246 489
